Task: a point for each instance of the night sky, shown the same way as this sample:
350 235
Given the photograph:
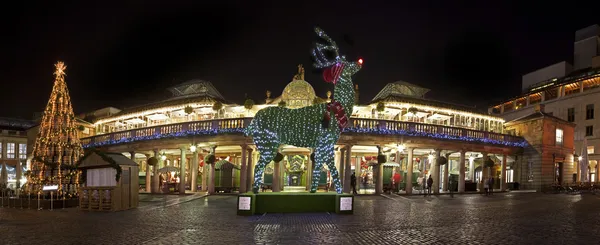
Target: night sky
124 55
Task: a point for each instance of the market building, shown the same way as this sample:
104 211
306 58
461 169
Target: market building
400 123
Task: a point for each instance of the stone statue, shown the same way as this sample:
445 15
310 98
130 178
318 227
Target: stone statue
300 74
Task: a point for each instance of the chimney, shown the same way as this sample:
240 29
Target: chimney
596 62
539 108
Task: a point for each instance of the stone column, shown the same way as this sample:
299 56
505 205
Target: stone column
503 174
309 170
243 169
409 171
194 178
358 172
155 178
447 173
343 170
484 171
348 169
149 175
205 173
182 172
435 171
461 172
276 177
211 174
472 170
252 158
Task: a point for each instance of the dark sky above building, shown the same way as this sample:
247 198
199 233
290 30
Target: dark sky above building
125 54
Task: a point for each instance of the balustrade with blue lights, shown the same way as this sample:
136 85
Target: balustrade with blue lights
356 126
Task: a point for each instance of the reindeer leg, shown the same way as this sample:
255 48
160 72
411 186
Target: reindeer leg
316 174
267 153
330 161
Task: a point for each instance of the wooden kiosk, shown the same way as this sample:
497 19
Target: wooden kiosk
111 182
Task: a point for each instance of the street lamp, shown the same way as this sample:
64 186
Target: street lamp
163 157
193 148
580 158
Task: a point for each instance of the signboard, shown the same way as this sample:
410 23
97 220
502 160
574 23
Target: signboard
244 203
345 203
50 188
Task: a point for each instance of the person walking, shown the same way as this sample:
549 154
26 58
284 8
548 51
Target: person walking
491 185
429 185
353 183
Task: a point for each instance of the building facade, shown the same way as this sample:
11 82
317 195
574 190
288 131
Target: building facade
413 132
13 149
569 92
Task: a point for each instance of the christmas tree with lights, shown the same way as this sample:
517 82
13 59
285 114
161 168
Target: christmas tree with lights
57 148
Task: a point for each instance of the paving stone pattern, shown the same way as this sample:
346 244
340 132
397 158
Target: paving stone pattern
465 219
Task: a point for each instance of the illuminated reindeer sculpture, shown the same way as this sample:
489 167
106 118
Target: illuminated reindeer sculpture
317 126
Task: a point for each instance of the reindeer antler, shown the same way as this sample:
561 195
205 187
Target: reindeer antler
320 59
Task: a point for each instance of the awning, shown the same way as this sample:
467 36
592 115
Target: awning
438 116
135 121
159 116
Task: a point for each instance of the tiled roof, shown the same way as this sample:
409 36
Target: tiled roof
537 115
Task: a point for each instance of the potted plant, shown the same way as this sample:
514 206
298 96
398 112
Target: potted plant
210 159
217 106
248 104
442 160
188 110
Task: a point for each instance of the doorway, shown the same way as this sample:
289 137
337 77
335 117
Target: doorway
558 172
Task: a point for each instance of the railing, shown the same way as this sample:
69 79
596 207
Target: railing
97 198
356 125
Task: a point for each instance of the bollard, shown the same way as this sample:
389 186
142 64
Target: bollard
29 202
21 200
51 201
39 208
63 202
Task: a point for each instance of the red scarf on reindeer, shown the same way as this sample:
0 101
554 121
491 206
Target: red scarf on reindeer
331 75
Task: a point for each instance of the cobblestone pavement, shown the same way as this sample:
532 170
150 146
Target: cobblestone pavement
465 219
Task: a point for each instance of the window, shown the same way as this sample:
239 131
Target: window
22 151
589 130
590 149
559 136
589 112
571 114
10 150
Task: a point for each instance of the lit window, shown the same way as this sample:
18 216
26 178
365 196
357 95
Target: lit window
590 149
10 150
559 136
22 151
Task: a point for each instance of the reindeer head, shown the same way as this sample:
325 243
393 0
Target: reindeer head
322 61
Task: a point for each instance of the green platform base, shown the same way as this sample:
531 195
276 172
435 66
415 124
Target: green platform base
294 202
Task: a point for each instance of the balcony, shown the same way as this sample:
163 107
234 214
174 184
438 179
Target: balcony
356 126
